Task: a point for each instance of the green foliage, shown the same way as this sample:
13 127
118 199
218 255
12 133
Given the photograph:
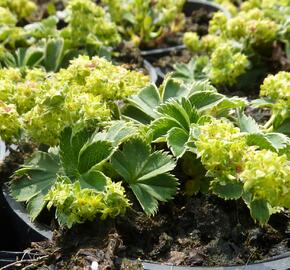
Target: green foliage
247 165
143 22
89 25
34 179
174 121
71 178
80 94
74 160
146 173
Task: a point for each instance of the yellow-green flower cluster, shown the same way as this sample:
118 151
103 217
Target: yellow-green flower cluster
278 10
9 121
46 103
21 8
220 146
277 86
229 5
266 175
76 205
226 65
237 41
263 175
89 25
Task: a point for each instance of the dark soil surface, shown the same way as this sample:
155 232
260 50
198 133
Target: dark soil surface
198 231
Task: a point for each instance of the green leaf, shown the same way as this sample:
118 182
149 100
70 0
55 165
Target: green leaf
34 58
147 174
284 127
178 111
32 182
133 113
173 89
260 210
247 124
278 140
53 54
259 139
227 189
36 204
93 154
147 101
93 179
120 131
230 103
176 140
174 113
70 147
205 99
288 49
263 102
272 141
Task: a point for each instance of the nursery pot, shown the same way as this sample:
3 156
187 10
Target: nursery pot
188 8
20 225
32 231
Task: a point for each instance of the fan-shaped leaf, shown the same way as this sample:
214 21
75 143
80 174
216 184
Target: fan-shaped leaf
147 174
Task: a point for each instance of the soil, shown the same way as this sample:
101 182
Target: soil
193 231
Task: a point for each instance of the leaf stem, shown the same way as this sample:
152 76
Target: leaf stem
268 124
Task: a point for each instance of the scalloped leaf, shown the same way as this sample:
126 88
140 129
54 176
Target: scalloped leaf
227 189
176 141
70 147
146 173
146 101
204 100
260 210
174 113
173 89
271 141
93 154
247 124
32 182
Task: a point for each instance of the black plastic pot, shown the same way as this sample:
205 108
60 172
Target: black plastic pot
21 227
31 231
189 7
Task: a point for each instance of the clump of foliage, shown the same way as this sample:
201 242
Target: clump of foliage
241 43
81 178
144 22
194 118
82 94
89 26
88 30
221 150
